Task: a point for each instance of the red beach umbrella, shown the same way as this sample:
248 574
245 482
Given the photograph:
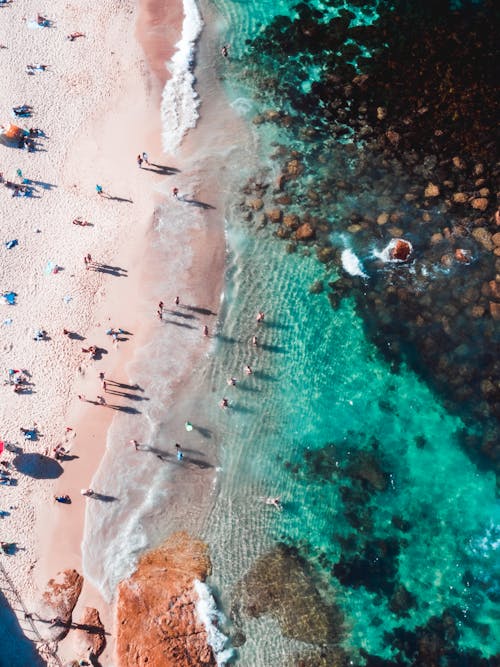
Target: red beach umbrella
1 446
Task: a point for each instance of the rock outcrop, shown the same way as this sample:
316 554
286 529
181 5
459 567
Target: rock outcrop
91 638
59 600
156 619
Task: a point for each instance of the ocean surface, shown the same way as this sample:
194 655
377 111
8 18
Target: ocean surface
387 547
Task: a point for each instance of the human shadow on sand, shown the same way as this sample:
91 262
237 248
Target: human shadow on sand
124 408
160 169
124 394
125 200
195 202
110 270
200 310
103 497
180 324
37 466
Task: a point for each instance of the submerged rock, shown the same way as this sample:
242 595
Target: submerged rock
279 584
156 618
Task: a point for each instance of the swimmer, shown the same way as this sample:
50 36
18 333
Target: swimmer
260 316
87 492
255 342
224 50
275 502
248 370
231 382
224 403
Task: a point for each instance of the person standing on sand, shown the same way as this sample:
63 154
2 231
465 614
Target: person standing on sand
180 455
145 158
135 443
177 300
175 193
205 330
139 161
99 190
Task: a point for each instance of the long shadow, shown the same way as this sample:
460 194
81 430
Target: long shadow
103 497
42 184
161 169
204 432
179 324
200 310
262 375
226 339
249 389
123 385
124 408
37 466
195 202
98 354
124 394
276 349
178 313
120 199
75 336
199 463
18 650
110 270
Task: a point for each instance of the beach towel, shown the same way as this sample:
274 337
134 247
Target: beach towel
9 320
10 297
10 244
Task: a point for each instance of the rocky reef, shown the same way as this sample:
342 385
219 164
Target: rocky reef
156 621
390 152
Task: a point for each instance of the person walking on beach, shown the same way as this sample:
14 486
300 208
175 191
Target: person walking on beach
175 193
139 161
177 300
179 454
205 330
99 190
135 443
160 305
101 400
145 158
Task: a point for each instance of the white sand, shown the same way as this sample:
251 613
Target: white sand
92 104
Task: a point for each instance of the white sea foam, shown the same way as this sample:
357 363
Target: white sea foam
180 102
352 263
210 616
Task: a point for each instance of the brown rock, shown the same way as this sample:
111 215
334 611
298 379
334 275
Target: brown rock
459 198
313 195
426 217
496 239
383 219
477 311
354 228
279 585
462 255
431 190
478 169
60 599
325 254
381 113
274 215
484 192
155 617
458 163
280 181
447 260
256 204
494 289
90 636
401 250
304 232
483 237
480 203
294 168
393 136
495 310
291 221
285 200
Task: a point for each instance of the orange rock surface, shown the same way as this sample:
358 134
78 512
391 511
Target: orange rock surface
156 621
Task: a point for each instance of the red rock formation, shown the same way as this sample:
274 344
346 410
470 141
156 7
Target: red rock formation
401 250
59 600
91 638
156 622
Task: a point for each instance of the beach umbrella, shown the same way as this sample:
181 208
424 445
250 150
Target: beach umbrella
1 446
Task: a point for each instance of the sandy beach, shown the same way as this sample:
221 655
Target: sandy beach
97 106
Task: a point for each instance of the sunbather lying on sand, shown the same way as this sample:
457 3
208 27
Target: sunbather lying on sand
74 35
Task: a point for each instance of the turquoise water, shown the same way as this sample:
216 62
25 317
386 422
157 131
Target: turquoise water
390 520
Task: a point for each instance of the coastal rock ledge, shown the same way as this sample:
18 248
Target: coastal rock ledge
156 621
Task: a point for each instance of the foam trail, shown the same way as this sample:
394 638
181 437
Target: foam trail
180 102
352 264
210 616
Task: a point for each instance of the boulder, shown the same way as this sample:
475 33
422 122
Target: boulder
479 203
459 198
291 221
90 636
383 219
274 215
496 239
256 204
436 238
325 255
494 289
294 168
381 113
458 163
495 310
156 620
462 255
304 232
393 136
59 600
431 190
482 236
401 250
